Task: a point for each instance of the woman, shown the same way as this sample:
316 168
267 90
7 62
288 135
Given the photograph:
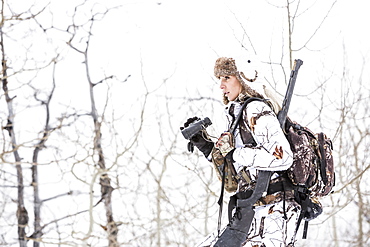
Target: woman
257 144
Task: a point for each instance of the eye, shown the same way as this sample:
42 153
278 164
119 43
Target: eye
227 77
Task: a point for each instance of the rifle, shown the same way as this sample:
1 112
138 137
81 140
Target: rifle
263 180
289 93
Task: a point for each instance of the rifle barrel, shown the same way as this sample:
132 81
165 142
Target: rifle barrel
289 93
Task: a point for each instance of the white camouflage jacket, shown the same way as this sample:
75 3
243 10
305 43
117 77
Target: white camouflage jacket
272 152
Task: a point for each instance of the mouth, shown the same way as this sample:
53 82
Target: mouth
226 94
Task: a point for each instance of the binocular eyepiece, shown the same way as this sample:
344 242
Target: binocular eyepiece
195 127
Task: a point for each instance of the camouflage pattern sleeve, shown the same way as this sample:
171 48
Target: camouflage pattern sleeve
273 151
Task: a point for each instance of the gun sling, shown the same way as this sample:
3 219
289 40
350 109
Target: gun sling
278 186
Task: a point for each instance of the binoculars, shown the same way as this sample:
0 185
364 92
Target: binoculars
195 127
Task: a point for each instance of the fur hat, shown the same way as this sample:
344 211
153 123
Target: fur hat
227 67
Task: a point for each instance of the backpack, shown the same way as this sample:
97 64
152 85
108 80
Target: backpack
313 164
312 171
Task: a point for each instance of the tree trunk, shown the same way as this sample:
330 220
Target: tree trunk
22 214
106 188
35 178
36 203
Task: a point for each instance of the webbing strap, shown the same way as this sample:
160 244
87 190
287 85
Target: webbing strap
232 130
304 205
221 199
322 158
237 119
273 188
305 229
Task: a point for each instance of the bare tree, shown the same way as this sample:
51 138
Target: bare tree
22 214
105 180
37 201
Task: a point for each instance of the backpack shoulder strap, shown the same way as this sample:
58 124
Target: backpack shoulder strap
237 119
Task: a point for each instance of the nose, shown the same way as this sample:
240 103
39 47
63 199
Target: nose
222 83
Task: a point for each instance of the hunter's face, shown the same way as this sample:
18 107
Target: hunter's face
230 87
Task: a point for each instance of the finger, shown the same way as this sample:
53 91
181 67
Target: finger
190 147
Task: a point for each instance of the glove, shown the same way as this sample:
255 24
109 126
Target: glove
204 144
226 145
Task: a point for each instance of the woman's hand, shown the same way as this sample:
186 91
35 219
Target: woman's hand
225 143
